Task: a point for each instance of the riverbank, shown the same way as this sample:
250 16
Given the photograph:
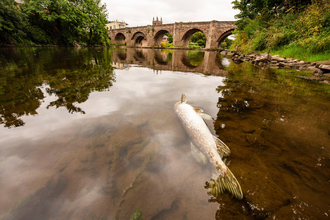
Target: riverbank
320 71
289 31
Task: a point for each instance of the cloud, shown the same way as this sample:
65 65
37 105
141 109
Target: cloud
140 13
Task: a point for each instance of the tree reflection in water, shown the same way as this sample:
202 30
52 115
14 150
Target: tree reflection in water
27 70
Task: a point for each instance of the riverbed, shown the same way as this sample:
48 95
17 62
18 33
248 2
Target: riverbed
92 134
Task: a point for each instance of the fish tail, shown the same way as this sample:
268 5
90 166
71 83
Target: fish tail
222 148
223 183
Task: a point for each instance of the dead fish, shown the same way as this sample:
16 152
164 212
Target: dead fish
203 141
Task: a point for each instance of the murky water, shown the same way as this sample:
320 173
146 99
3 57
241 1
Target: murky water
92 134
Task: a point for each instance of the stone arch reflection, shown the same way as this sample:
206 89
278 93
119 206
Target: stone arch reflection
163 57
139 56
122 55
192 58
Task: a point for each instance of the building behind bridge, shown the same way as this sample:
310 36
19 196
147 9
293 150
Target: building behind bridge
116 24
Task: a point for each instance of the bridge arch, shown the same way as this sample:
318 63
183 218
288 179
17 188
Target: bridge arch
139 38
223 36
120 38
186 37
159 36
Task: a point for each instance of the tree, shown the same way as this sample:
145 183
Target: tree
12 23
250 9
70 21
170 38
199 38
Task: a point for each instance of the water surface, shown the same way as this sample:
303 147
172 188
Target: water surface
91 134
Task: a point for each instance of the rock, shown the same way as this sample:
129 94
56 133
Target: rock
325 81
310 78
315 70
274 66
325 67
326 62
265 57
231 54
224 52
285 65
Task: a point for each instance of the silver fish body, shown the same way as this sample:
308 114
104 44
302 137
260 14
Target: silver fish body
201 137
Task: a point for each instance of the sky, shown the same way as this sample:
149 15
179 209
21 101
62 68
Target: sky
140 13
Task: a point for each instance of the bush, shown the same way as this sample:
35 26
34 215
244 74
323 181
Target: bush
308 29
194 45
164 44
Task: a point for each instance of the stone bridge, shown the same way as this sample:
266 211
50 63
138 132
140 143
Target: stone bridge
152 35
177 60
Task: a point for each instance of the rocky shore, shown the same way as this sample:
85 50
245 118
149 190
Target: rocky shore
320 70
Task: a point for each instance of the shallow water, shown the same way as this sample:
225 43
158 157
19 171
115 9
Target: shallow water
92 134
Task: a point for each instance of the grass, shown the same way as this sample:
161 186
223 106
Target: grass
301 53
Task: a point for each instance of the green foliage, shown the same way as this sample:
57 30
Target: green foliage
194 45
136 215
301 53
195 57
65 22
197 40
164 44
226 43
308 29
14 25
251 9
170 38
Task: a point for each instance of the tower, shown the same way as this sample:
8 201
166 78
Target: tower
157 21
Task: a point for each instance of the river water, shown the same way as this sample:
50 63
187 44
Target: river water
92 134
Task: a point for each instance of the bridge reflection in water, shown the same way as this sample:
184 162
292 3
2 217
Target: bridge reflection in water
207 63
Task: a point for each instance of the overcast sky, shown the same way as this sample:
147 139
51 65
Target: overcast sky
141 12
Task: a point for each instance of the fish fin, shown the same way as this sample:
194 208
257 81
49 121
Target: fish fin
205 116
222 148
197 154
183 98
198 110
226 182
